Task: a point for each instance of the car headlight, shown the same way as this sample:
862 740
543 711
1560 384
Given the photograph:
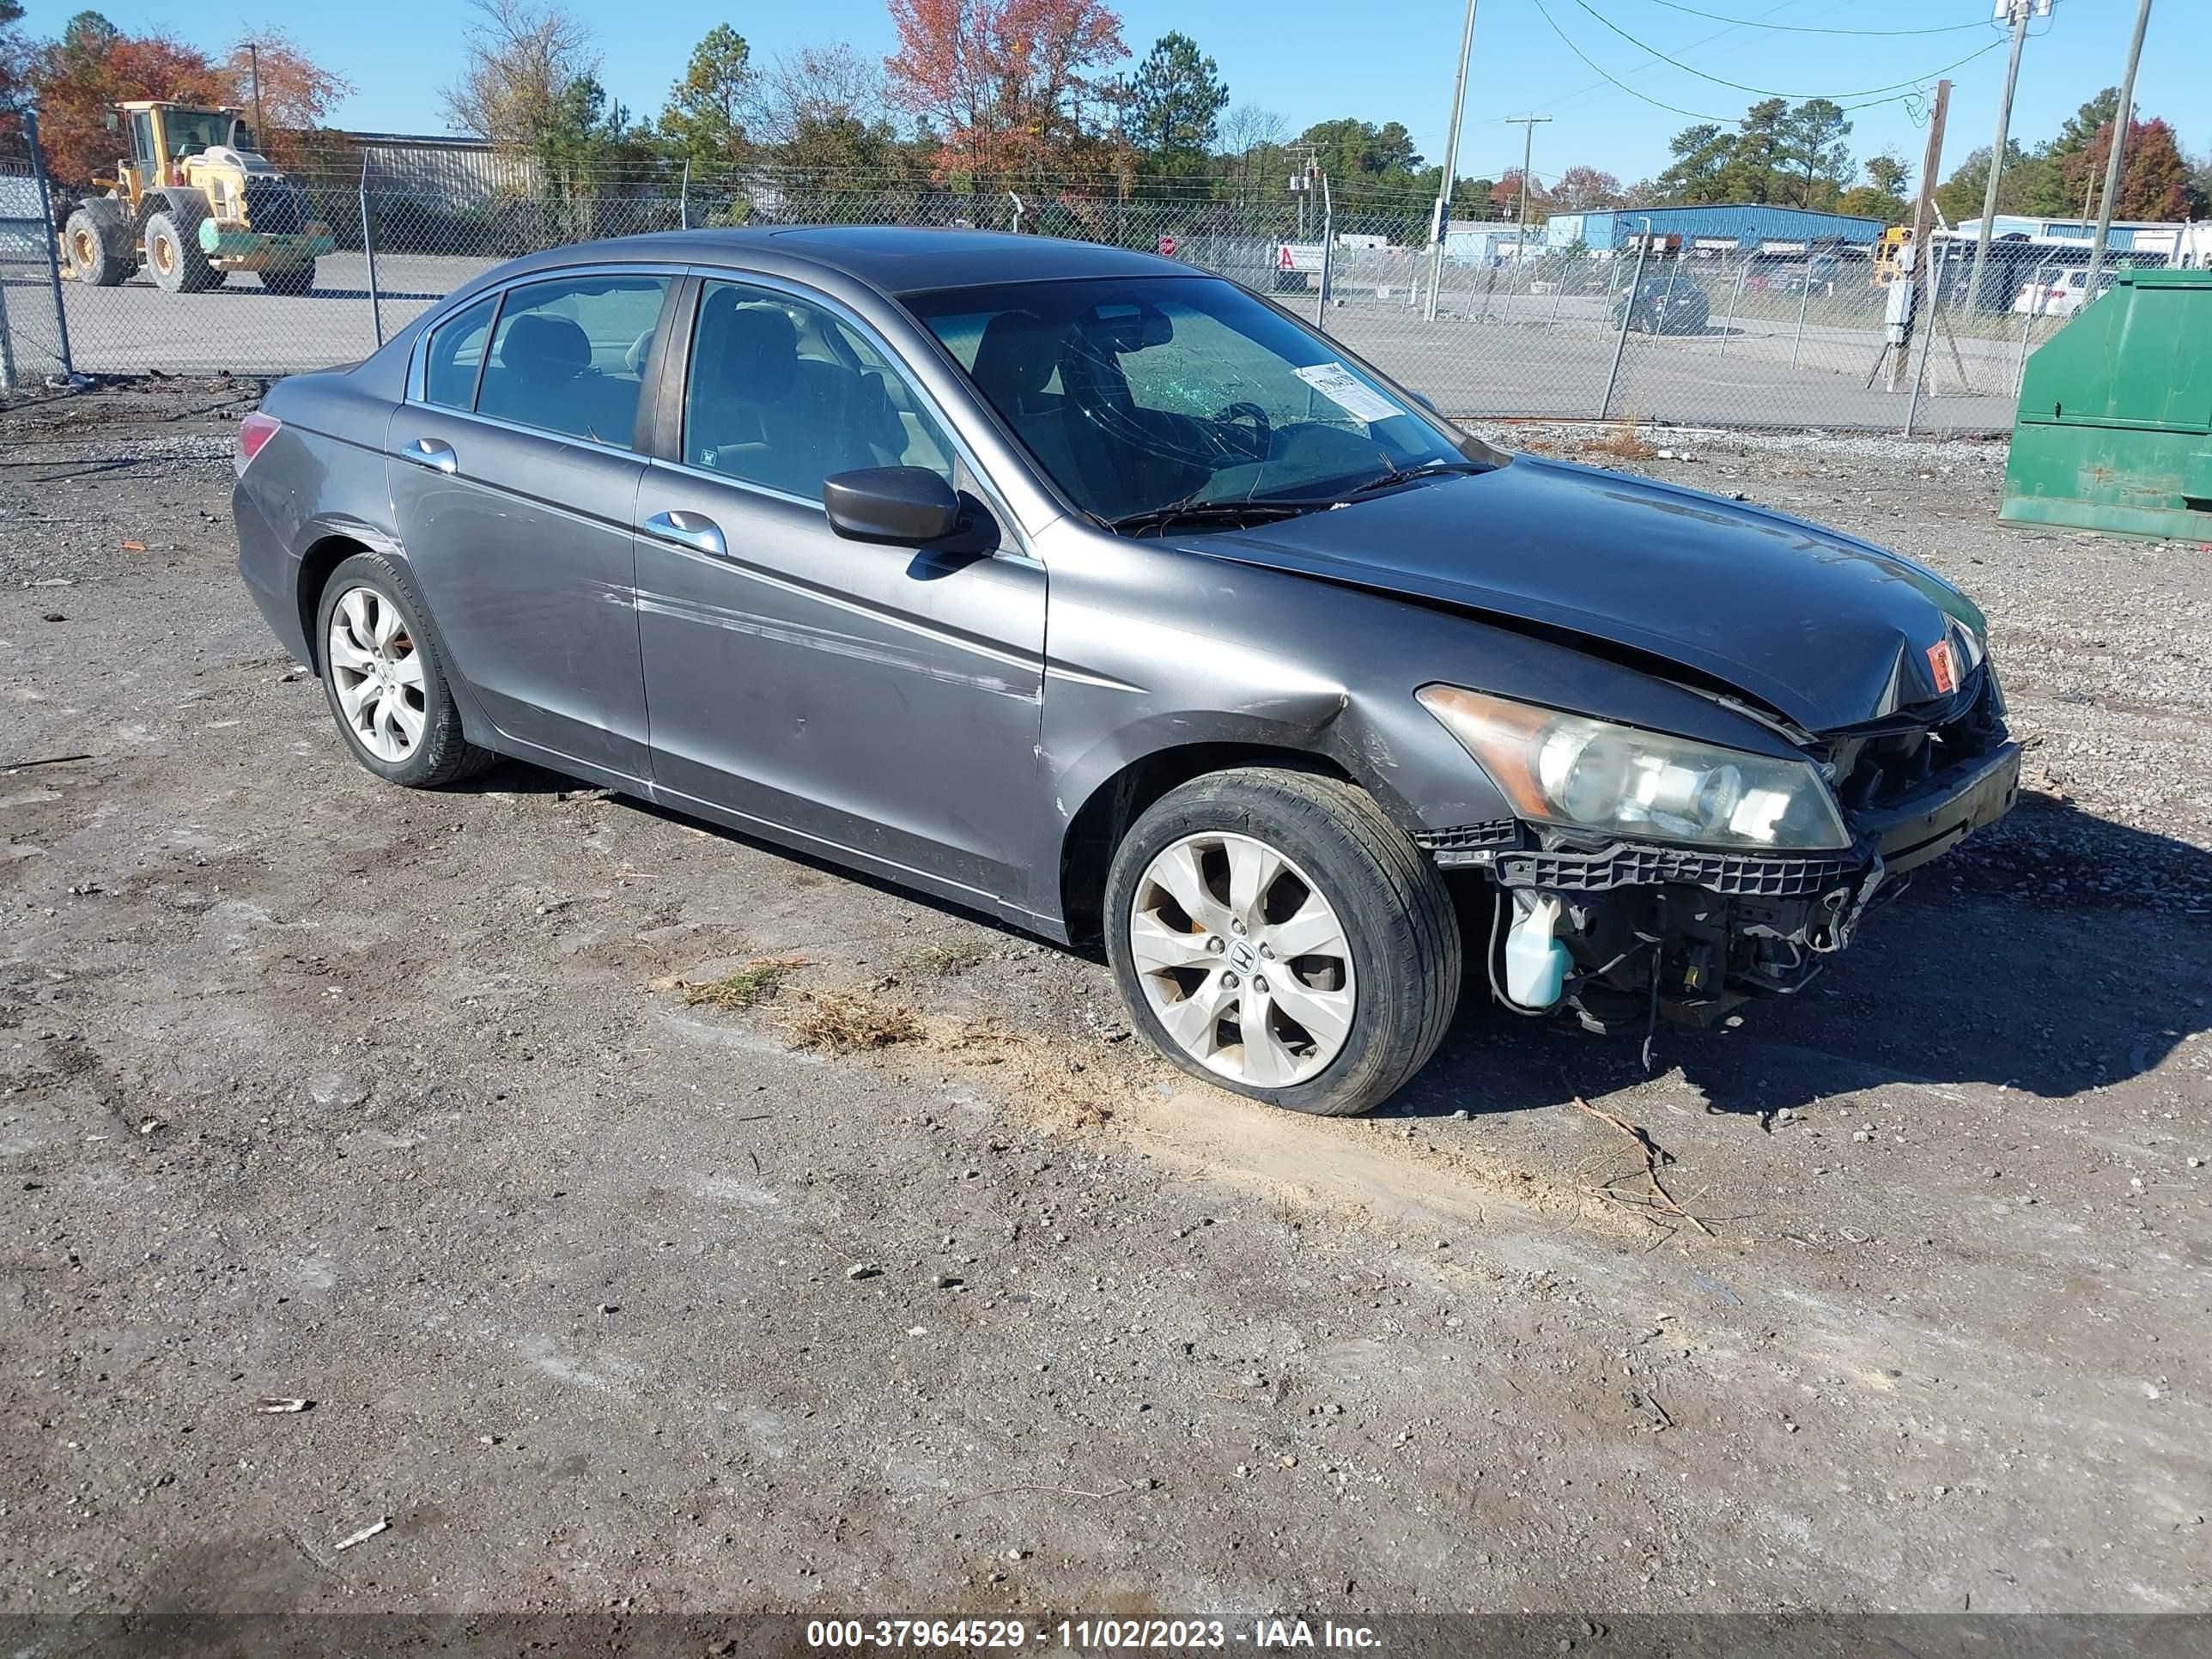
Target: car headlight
1583 773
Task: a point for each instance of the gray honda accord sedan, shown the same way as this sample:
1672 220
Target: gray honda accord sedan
1101 596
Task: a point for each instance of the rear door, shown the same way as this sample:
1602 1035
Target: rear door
881 700
514 471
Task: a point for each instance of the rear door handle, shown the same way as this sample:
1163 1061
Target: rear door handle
430 452
693 530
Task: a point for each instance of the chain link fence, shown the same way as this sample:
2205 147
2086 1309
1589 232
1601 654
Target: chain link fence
33 345
1671 334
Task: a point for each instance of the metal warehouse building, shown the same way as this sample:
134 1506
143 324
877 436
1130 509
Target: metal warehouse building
1734 229
2158 238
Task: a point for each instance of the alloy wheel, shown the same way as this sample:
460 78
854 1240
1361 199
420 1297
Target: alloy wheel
377 672
1243 959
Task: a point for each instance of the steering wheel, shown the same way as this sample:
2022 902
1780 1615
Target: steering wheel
1254 417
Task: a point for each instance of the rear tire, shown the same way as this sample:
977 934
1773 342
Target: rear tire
174 258
1369 975
290 279
385 680
91 261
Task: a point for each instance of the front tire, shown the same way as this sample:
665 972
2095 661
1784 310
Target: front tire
384 681
91 261
1274 933
175 260
290 279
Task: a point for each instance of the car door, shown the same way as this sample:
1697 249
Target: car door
881 700
514 471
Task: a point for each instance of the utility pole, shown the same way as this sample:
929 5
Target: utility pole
2121 118
1308 160
1923 229
2016 11
1451 163
260 132
1528 124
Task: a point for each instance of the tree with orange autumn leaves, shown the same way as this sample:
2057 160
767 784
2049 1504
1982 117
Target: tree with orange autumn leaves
1003 86
75 80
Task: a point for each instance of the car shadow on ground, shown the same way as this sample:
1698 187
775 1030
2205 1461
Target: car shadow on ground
2056 953
516 777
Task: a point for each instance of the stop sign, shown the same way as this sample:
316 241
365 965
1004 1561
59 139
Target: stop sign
1167 247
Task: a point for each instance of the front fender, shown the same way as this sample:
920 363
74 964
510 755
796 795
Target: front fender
1151 648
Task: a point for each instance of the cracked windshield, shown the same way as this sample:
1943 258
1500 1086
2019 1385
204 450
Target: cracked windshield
1159 400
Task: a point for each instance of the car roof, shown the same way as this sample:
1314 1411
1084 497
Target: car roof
891 259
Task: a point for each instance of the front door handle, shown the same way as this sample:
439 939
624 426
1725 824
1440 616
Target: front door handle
693 530
430 452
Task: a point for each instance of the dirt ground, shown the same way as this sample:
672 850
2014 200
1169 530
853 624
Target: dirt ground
606 1291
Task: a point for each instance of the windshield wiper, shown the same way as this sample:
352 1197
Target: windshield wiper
1267 512
1426 470
1221 513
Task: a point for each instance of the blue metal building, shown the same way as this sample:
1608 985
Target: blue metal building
2122 236
1743 227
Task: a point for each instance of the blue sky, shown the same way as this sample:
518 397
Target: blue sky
1314 59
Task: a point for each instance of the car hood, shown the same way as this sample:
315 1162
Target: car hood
1825 629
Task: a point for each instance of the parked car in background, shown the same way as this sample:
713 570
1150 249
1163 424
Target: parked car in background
1672 304
1791 283
1099 595
2058 293
1790 277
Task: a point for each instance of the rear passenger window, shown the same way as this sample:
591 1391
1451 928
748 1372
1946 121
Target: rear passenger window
784 393
569 355
456 355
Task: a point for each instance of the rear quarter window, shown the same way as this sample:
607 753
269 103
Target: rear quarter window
456 354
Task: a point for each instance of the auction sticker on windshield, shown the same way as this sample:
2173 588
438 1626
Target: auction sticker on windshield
1349 393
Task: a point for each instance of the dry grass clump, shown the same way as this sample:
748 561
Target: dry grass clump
1623 442
756 981
850 1022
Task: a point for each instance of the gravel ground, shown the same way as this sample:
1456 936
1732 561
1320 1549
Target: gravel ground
912 1282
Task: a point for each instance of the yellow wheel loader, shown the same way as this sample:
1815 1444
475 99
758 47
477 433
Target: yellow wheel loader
192 203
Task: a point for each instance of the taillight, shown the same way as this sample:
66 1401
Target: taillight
254 431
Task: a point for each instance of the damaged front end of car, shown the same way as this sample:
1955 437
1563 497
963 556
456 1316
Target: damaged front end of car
1648 876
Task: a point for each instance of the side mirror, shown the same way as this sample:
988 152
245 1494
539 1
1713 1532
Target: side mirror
1427 403
114 122
895 506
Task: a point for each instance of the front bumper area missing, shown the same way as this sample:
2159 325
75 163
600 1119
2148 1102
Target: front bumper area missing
1690 933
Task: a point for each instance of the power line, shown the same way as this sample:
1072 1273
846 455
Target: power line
1913 88
1804 29
1657 103
1576 98
1769 92
1910 87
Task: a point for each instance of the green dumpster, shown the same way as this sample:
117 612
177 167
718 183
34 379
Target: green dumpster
2114 431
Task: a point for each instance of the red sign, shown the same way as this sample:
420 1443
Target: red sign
1167 247
1285 259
